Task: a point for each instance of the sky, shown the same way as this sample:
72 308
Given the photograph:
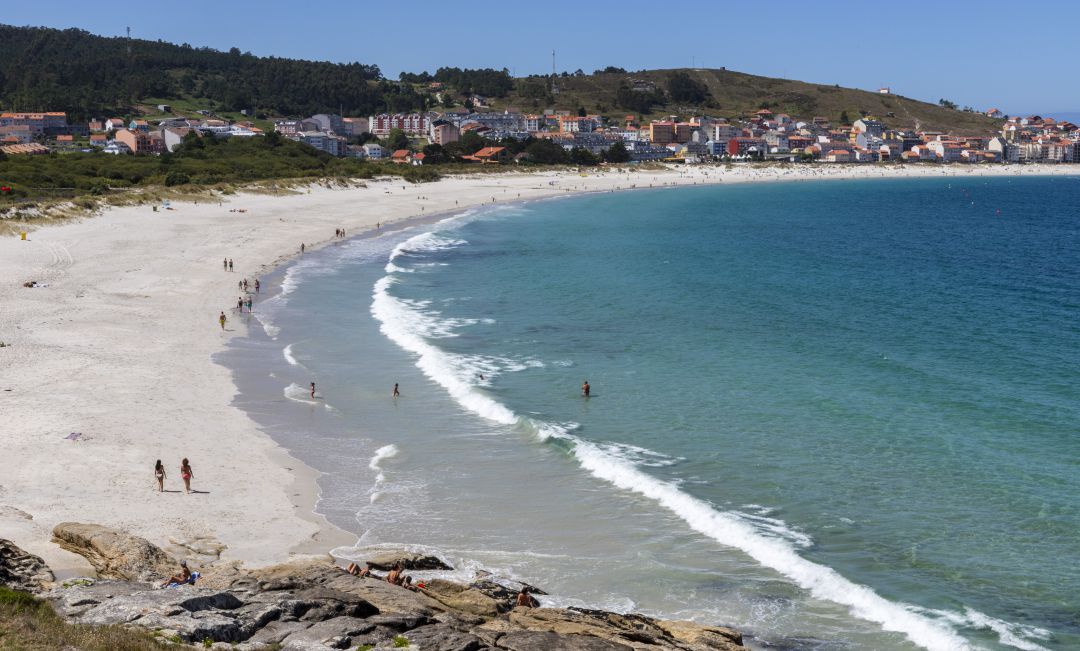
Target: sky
976 54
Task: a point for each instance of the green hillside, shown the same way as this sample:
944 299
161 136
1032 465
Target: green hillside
733 94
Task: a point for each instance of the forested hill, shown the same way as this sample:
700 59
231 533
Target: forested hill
95 76
87 75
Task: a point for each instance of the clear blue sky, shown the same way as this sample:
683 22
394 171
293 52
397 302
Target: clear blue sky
1018 57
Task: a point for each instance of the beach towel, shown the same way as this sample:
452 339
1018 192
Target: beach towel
74 436
190 581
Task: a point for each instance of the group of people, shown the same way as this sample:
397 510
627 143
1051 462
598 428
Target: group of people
186 473
339 232
227 264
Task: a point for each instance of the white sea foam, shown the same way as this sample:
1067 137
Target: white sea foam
385 452
769 541
287 352
297 393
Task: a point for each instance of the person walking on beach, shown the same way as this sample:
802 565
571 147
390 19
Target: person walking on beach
240 285
396 392
256 285
230 264
249 304
312 389
245 284
221 320
159 473
301 248
186 474
585 390
225 264
240 303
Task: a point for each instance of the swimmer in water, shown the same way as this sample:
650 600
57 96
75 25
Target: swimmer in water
585 388
396 392
312 389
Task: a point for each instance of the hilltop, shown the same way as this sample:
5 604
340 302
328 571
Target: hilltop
730 94
92 76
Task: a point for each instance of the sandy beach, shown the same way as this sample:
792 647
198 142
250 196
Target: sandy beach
108 367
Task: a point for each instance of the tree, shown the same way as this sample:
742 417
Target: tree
844 118
471 142
582 156
684 88
581 112
434 154
176 177
947 104
545 152
397 140
610 70
617 153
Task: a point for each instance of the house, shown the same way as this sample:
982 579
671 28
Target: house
838 156
96 125
870 127
401 157
98 139
995 113
114 124
444 132
490 155
139 125
174 136
136 141
885 90
116 147
417 159
662 132
372 150
30 149
164 108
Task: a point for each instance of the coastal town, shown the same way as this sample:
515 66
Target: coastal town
498 137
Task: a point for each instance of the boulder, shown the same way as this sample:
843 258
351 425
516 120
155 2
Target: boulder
115 554
464 598
409 560
546 641
440 637
709 637
22 570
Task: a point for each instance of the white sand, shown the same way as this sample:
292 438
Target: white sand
118 347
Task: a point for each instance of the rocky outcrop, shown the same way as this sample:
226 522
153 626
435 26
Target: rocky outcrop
115 554
310 604
407 560
22 570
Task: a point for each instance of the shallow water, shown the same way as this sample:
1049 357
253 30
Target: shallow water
830 414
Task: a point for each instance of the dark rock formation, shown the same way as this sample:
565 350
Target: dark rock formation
22 570
407 560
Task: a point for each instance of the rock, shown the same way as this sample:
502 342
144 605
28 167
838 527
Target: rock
499 591
440 637
710 637
385 596
271 633
115 554
408 560
464 598
335 633
22 570
546 641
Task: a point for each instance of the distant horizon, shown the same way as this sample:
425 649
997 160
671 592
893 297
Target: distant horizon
516 39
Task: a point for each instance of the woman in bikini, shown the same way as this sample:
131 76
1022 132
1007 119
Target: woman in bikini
186 474
159 472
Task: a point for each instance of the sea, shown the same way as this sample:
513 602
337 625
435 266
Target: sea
835 414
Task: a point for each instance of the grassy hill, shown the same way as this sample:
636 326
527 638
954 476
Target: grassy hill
733 94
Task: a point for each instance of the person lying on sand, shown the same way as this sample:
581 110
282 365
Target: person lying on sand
181 577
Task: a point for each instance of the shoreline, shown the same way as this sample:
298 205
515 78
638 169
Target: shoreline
116 350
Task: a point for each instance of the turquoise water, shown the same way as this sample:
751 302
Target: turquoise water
832 414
